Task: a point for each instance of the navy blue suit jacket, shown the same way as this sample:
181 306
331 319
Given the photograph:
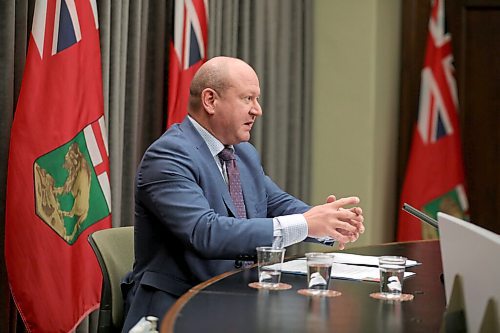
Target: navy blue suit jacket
185 226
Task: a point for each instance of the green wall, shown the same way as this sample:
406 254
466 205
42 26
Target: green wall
355 111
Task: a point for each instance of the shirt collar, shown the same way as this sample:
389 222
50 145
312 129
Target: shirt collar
214 145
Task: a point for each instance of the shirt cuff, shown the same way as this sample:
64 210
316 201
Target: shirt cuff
291 228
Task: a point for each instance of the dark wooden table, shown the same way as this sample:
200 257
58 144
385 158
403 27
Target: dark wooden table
226 303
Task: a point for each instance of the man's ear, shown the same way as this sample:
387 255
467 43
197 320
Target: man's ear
208 100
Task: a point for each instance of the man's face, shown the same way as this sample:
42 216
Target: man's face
237 108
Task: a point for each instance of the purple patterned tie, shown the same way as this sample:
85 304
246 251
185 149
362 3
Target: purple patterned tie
234 182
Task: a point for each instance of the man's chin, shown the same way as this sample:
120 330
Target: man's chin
245 138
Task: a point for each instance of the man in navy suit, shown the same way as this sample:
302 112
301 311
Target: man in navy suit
187 226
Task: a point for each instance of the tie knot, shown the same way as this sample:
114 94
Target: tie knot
227 154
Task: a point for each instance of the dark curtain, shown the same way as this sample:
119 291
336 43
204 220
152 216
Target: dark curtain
134 50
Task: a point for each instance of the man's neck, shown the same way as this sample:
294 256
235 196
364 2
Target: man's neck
213 143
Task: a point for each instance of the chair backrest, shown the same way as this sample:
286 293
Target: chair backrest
114 249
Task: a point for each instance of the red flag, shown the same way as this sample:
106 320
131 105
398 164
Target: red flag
58 177
188 51
435 175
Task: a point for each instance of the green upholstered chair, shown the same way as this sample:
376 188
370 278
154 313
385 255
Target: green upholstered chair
114 249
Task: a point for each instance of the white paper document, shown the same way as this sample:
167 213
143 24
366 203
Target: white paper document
346 266
357 259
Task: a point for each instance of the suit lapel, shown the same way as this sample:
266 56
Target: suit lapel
208 160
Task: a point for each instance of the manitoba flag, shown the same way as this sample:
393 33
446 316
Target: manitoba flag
435 175
188 51
58 176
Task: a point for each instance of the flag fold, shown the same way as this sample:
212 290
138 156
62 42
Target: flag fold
435 174
58 187
188 51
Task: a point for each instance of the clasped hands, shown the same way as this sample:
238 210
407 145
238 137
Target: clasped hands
333 220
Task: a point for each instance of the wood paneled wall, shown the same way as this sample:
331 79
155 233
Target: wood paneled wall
475 29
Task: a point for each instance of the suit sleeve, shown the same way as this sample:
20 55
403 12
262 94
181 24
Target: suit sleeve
171 189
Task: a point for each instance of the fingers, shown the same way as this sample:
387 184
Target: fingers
345 201
353 236
344 236
356 218
347 214
357 223
341 237
331 198
347 226
359 219
352 219
333 220
357 210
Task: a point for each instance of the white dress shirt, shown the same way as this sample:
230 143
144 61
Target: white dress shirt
287 230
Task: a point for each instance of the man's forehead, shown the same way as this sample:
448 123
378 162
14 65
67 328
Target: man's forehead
245 81
245 89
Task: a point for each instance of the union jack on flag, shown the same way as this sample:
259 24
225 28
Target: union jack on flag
435 178
188 51
66 26
58 170
438 92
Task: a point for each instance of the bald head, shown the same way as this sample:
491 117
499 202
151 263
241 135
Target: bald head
214 74
224 99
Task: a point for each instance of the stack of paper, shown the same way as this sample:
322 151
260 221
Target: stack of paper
357 259
346 266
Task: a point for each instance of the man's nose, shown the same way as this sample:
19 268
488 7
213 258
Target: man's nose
256 109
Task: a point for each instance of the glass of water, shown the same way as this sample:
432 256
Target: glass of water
392 270
319 270
269 260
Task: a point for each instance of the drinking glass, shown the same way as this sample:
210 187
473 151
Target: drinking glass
392 270
269 261
319 270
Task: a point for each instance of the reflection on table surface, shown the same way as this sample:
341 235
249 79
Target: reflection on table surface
227 304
